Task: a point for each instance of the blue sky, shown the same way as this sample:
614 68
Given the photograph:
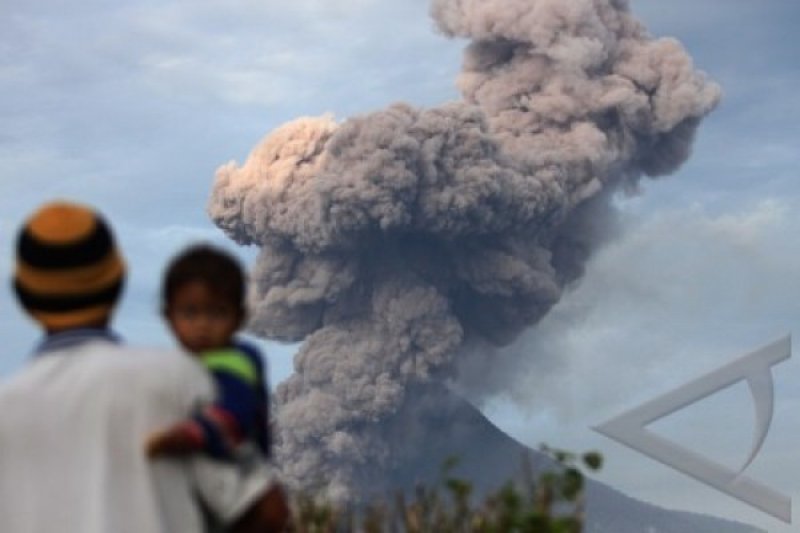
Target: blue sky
132 106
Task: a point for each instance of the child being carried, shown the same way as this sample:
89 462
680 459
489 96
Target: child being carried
203 299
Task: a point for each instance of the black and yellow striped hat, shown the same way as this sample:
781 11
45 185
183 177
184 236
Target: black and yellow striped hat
69 272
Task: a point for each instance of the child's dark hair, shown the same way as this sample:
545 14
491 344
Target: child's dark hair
220 270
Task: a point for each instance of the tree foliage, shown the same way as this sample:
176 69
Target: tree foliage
550 502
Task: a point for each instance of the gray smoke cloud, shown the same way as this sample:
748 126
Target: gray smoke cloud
393 241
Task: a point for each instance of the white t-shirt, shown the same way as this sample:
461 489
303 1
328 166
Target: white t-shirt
73 424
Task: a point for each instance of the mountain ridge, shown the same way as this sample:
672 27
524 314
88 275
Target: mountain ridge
434 424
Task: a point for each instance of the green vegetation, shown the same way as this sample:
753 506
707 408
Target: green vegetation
551 503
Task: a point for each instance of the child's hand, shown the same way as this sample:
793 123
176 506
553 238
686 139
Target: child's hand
176 441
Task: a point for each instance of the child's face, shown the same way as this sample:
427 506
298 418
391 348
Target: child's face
201 319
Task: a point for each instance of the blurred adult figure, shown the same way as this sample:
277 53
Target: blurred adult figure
74 419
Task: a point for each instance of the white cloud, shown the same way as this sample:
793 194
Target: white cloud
675 285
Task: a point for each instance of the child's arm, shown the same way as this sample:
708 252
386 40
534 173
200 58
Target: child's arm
181 439
219 428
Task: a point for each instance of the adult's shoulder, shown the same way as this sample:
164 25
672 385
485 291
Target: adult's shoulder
165 366
163 371
10 383
149 357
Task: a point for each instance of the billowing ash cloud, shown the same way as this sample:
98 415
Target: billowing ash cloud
393 240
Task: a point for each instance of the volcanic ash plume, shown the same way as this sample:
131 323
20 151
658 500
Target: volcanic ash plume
393 240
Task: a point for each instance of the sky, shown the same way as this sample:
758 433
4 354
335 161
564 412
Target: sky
132 106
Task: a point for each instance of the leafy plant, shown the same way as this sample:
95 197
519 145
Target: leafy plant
552 502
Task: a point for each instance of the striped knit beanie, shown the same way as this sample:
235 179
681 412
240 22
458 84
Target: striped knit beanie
69 272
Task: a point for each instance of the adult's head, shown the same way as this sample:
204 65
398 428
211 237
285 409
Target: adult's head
69 273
